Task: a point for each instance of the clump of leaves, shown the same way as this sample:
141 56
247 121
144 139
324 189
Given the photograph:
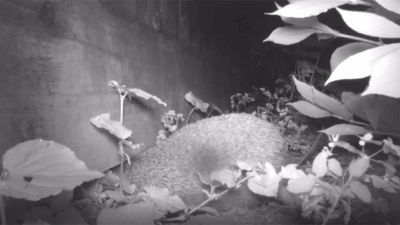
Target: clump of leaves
373 55
170 121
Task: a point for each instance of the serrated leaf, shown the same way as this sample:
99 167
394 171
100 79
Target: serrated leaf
346 129
335 167
301 185
380 111
345 51
266 184
385 77
143 213
302 9
289 35
370 24
322 100
362 64
116 128
145 95
361 191
359 166
379 183
225 177
38 168
320 163
196 102
391 5
309 109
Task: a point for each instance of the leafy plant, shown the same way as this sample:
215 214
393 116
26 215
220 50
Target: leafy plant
170 121
198 104
327 190
116 128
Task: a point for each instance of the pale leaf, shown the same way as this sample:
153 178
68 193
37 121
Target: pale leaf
391 5
288 35
116 128
266 184
322 100
145 95
361 64
302 9
359 166
309 109
335 167
361 191
301 185
38 168
320 163
225 177
196 102
370 24
343 52
164 201
346 129
385 77
290 171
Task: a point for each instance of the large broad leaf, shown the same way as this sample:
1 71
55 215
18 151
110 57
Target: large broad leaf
385 78
392 5
362 64
346 129
309 109
320 163
359 166
302 9
288 35
114 127
322 100
380 111
36 169
370 24
345 51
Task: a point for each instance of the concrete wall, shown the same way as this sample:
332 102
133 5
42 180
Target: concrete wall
56 58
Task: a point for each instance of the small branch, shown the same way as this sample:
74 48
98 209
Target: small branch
190 113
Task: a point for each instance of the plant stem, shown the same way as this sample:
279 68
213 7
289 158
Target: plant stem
190 113
337 199
357 38
3 211
122 96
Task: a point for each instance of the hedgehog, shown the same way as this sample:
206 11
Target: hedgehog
208 145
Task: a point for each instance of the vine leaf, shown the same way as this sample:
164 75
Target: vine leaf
37 169
146 96
370 24
196 102
116 128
